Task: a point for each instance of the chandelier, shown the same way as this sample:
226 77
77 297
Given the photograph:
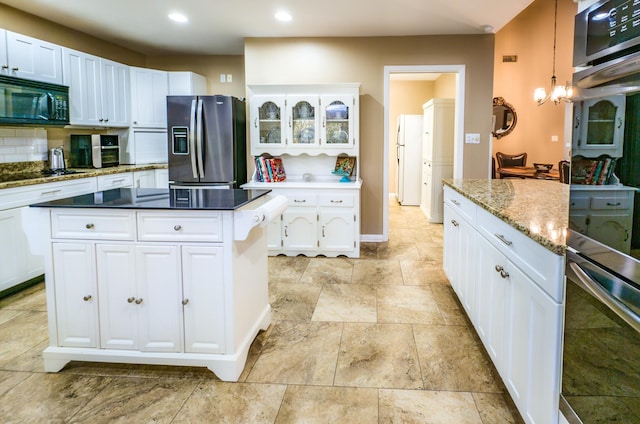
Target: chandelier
557 93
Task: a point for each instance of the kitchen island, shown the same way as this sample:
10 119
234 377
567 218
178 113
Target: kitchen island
157 276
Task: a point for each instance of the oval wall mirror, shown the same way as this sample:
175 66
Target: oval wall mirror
504 118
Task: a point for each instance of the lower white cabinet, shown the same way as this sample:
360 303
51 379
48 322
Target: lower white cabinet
144 179
504 281
111 181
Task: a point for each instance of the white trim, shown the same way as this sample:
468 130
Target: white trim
372 238
458 149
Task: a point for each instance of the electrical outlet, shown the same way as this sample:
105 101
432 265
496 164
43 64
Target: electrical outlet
229 78
554 138
223 78
472 138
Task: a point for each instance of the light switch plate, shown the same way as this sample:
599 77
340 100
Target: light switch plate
472 138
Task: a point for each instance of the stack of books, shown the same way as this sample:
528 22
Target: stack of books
592 171
269 170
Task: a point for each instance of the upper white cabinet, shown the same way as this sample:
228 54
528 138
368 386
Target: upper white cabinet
183 83
304 119
149 90
30 58
598 126
98 90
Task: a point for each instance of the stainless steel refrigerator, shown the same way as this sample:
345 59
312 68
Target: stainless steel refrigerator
207 141
409 157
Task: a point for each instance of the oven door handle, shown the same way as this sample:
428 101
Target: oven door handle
605 297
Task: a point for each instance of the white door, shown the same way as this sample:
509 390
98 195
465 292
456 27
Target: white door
82 75
34 59
115 93
337 232
76 294
409 159
118 294
203 274
299 230
159 298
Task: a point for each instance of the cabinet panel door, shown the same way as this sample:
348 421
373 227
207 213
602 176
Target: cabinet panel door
34 59
76 294
115 93
612 230
203 274
467 274
159 296
299 229
82 75
304 117
337 230
117 290
274 234
337 121
531 366
490 299
268 124
12 249
450 241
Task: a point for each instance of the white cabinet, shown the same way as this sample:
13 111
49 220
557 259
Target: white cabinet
437 154
511 288
310 119
183 83
111 181
604 213
144 179
98 90
30 58
162 178
598 127
149 90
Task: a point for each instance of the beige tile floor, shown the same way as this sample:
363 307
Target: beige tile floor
380 339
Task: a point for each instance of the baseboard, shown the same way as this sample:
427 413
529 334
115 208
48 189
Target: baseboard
372 238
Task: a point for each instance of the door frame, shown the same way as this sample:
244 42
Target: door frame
458 149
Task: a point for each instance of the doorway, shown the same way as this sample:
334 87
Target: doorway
422 76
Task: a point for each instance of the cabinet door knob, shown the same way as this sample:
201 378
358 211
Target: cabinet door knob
89 226
177 227
454 222
87 298
504 274
130 299
138 301
16 69
5 66
185 301
499 268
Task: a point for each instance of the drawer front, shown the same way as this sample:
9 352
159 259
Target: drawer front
463 206
611 202
94 225
580 202
540 264
301 199
344 200
180 227
29 195
107 182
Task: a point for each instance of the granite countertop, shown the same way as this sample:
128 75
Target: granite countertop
23 174
536 208
160 198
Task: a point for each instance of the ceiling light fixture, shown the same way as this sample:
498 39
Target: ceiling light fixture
178 17
557 93
283 16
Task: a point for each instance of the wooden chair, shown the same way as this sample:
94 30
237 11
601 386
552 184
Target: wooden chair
564 171
506 160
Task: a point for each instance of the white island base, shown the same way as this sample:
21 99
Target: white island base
149 283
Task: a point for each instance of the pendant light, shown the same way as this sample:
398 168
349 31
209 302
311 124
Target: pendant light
557 93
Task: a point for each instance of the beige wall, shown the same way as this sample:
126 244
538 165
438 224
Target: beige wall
530 36
333 60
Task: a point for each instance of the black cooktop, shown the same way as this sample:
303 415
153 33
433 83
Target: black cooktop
6 178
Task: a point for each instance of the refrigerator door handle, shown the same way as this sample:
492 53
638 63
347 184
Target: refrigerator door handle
192 142
199 139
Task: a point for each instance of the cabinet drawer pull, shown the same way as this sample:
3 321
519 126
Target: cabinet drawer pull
5 66
454 222
50 192
119 180
87 298
455 202
499 268
16 69
336 201
185 301
177 227
504 240
613 204
138 301
89 226
130 299
299 201
504 274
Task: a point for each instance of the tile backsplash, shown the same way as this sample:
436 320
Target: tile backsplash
23 144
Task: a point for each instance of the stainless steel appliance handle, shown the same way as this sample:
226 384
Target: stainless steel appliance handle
199 137
605 297
192 141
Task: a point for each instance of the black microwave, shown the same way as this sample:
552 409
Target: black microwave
94 150
605 31
33 103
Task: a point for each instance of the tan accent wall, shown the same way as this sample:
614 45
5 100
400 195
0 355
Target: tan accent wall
24 23
335 60
530 36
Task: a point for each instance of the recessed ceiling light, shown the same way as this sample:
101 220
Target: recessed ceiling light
283 16
178 17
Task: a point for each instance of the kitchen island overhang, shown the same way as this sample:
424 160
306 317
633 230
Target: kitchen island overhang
157 276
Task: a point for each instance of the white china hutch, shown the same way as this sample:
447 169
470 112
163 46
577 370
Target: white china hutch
309 126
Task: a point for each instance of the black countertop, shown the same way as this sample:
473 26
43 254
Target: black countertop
152 198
